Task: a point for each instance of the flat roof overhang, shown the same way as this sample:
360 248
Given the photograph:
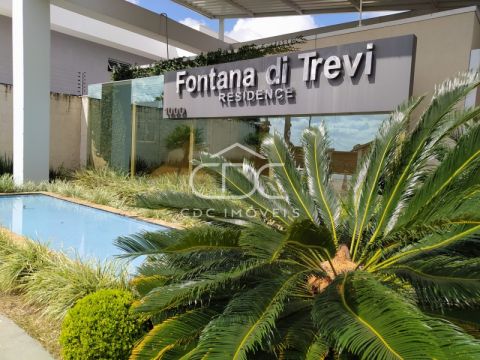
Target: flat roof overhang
367 24
125 26
225 9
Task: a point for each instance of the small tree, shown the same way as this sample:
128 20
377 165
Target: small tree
179 138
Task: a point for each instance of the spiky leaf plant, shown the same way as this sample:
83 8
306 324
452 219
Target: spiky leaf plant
390 270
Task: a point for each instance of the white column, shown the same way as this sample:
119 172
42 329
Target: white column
31 89
221 29
473 98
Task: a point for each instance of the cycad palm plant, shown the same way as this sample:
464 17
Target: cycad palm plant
390 270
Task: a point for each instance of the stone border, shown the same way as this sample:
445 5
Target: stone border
110 209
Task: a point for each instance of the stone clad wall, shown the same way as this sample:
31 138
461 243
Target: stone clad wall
64 127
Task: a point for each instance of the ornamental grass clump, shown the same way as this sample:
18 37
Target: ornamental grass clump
49 279
6 184
19 260
62 282
390 270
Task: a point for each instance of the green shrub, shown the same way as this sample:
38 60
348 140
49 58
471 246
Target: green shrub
180 136
100 326
219 56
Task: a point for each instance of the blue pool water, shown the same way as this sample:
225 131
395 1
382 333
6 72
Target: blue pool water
64 225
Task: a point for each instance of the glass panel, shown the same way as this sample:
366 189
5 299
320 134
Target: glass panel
350 137
297 125
148 156
348 131
95 91
110 126
276 124
163 144
148 91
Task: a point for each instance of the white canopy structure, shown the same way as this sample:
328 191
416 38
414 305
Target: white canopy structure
225 9
116 23
126 26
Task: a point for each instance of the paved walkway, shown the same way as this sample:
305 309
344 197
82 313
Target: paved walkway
16 344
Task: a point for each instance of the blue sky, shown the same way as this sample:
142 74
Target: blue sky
180 13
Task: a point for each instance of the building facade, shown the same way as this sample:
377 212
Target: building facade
76 63
349 79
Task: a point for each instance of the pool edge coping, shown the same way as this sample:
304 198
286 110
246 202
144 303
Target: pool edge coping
93 205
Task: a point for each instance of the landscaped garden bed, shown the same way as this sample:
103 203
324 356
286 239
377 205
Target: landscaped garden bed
38 285
387 270
117 190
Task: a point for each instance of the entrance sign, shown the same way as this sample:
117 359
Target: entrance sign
372 76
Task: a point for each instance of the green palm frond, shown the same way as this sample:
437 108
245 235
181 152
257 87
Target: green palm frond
288 176
190 203
463 157
295 332
377 274
247 321
449 205
452 342
468 319
301 342
405 236
307 235
455 122
318 349
160 267
144 284
431 243
442 280
299 338
363 316
201 238
317 166
262 241
196 291
365 190
415 151
178 331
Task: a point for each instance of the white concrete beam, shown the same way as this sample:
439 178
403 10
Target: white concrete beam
240 7
31 90
144 22
221 29
355 4
294 6
83 27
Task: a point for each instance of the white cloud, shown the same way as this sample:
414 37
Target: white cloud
257 28
136 2
193 23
